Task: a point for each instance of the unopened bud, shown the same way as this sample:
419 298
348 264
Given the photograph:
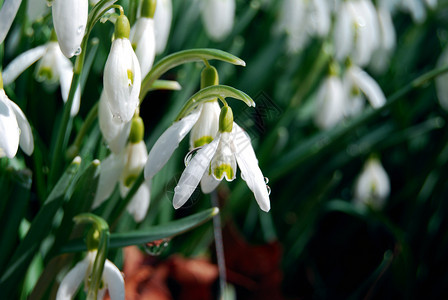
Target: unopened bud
226 119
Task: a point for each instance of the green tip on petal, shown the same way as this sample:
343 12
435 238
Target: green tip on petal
122 27
148 8
209 77
130 78
137 130
226 119
223 169
206 139
1 81
130 180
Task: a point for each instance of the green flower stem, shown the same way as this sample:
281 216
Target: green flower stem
64 128
211 93
103 246
183 57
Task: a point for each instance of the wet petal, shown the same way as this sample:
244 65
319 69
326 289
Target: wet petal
21 63
26 135
168 142
193 173
72 280
250 171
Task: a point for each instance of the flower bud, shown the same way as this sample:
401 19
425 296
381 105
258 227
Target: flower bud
209 77
226 119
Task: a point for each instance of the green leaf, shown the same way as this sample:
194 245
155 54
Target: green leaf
39 229
166 85
213 92
183 57
150 234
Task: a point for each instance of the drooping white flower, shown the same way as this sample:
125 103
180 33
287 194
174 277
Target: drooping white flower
14 128
112 279
373 185
218 16
70 19
330 102
162 23
7 15
52 67
357 80
292 21
143 39
219 159
122 75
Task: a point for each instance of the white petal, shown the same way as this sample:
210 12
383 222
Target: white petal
207 125
115 133
193 173
114 280
322 20
21 63
167 143
368 86
144 42
162 23
139 204
122 91
223 163
209 183
330 103
343 32
9 129
387 29
7 15
416 8
26 135
136 157
66 76
72 280
250 171
110 172
70 19
36 9
217 16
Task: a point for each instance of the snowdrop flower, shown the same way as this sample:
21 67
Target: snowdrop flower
7 15
417 8
203 123
217 16
356 81
14 127
219 159
162 23
112 279
36 9
373 186
70 19
52 67
124 168
356 33
122 76
142 37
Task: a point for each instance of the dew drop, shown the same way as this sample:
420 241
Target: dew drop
156 248
78 51
266 180
242 176
117 117
80 29
269 189
190 155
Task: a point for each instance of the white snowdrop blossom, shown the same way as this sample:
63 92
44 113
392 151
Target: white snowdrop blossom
330 102
162 23
53 67
112 279
218 17
372 186
124 168
219 159
357 32
356 81
70 19
14 128
7 14
206 127
122 75
143 41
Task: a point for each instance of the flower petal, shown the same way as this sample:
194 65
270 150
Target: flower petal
144 42
368 86
162 23
114 281
193 173
209 183
139 204
217 16
167 143
26 135
9 129
21 63
250 171
7 15
66 76
72 280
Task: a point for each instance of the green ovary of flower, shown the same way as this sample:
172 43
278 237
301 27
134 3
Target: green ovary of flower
203 141
128 181
223 169
45 74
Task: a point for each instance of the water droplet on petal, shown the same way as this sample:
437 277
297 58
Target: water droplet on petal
156 248
80 29
269 189
190 155
117 117
242 176
266 180
78 51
